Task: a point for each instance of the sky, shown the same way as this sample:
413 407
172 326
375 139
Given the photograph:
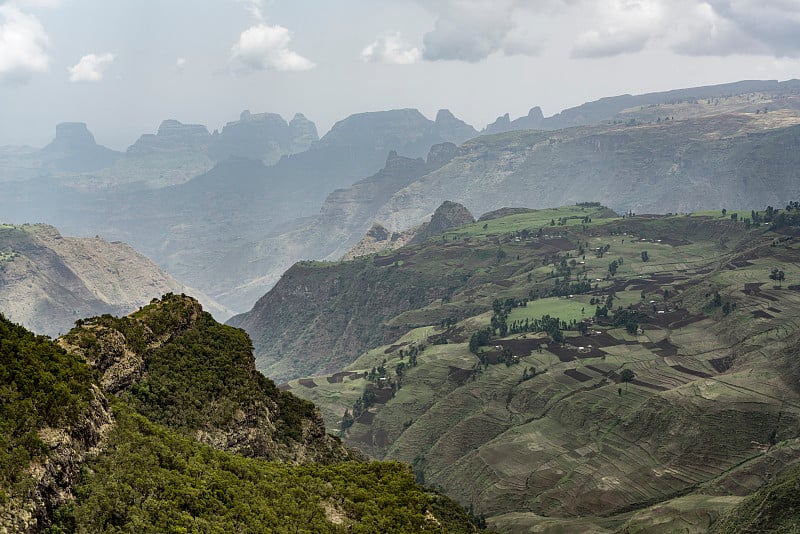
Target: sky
123 66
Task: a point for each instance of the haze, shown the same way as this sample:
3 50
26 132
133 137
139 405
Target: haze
124 66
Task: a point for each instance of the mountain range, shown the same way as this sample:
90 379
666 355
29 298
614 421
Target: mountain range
227 212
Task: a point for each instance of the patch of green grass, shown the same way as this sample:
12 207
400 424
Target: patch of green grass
534 220
567 309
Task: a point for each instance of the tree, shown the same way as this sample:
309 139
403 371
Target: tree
777 275
645 256
612 267
347 420
627 376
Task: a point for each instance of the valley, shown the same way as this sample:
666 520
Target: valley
535 432
582 322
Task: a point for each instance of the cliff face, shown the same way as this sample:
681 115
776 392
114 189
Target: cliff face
52 415
341 309
47 281
674 166
74 149
263 136
176 365
54 476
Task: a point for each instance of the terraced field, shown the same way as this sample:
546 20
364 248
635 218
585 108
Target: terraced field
554 439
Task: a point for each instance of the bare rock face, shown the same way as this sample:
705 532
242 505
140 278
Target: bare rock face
263 136
441 154
378 239
534 120
48 281
448 215
303 134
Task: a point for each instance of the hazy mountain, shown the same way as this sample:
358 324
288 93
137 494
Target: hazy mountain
533 121
47 281
741 160
677 103
232 229
74 149
263 136
172 136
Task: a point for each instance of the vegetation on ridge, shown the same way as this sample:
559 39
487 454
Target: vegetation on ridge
150 480
41 386
198 377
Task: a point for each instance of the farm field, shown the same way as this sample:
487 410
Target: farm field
669 422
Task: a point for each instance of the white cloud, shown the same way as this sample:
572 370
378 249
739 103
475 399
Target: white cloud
90 68
23 45
254 8
180 63
690 27
726 27
264 47
620 27
471 30
391 49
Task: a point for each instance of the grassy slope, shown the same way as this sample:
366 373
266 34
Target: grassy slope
344 308
556 445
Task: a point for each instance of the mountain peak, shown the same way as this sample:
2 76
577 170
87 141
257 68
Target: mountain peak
448 215
72 135
74 149
172 127
452 128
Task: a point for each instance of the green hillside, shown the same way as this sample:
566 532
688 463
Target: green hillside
633 371
322 315
71 463
150 480
173 363
41 386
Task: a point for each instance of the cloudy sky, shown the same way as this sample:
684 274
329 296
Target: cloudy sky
122 66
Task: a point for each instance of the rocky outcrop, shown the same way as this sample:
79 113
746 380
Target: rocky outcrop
448 215
303 134
55 476
172 136
74 149
263 136
244 412
378 239
533 121
453 129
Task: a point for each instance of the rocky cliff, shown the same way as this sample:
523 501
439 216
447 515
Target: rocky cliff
263 136
177 366
744 160
74 149
52 416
